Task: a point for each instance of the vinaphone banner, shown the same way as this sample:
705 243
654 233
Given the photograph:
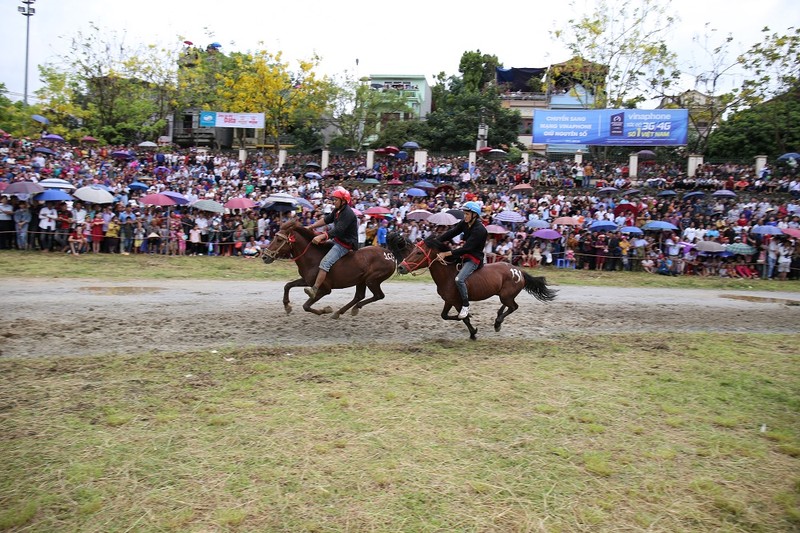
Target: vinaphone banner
218 119
612 127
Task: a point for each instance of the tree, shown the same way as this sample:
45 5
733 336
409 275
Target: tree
261 82
356 111
477 70
619 51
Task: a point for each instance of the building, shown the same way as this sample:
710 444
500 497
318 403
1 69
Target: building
705 111
414 88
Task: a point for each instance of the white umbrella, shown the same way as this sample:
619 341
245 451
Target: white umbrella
442 219
56 183
147 144
94 194
509 216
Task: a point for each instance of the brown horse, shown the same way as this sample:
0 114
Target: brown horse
365 268
501 279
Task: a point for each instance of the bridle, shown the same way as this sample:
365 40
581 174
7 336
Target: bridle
426 259
285 239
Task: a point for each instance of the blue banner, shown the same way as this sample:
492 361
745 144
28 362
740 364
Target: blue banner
208 119
612 127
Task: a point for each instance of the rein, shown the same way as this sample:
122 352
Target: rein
413 268
288 240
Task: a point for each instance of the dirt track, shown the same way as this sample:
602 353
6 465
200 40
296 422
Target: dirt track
82 317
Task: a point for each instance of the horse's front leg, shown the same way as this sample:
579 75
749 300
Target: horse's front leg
361 290
472 330
446 310
292 284
311 301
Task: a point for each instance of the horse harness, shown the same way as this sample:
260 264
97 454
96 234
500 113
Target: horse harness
290 239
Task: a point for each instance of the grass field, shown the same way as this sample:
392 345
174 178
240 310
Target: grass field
656 432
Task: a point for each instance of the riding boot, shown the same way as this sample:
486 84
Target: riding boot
312 291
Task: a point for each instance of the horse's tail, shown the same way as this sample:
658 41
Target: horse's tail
398 245
537 286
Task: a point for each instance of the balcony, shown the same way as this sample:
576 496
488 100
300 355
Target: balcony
523 96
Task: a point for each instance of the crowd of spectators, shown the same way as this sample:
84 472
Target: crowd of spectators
760 212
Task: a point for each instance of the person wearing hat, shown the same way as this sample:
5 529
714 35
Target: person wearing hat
344 235
470 253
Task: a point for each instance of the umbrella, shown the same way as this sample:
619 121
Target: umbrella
53 137
178 197
390 182
280 207
418 214
443 219
411 145
631 230
667 193
41 119
522 187
458 213
415 191
138 185
160 170
23 187
240 203
56 183
391 149
425 185
157 199
401 155
44 150
646 154
603 225
314 175
443 188
313 164
305 203
566 221
792 232
607 190
209 205
283 197
709 246
484 150
377 211
766 230
631 192
659 225
88 139
121 154
148 144
496 230
547 234
538 224
788 156
496 153
622 208
723 193
509 216
372 181
52 195
381 151
94 194
693 194
740 248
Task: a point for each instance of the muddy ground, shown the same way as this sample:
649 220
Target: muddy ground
84 317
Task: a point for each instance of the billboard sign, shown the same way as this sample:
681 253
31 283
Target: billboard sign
218 119
612 127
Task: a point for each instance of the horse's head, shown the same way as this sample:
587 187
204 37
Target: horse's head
423 254
282 244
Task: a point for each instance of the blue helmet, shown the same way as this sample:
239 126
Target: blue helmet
475 207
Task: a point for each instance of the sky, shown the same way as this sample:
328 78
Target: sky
361 37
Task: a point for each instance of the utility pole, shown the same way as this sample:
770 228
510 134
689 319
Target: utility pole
27 11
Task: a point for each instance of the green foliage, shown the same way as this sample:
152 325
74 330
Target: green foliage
478 70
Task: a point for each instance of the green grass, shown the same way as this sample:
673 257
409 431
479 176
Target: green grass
15 264
579 433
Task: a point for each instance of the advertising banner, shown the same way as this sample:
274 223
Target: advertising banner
612 127
218 119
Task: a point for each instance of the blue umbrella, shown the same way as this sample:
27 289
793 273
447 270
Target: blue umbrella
40 118
411 145
401 155
425 185
723 193
538 224
138 185
603 225
766 230
788 156
659 225
53 137
414 191
608 190
631 192
667 193
44 150
52 195
314 175
693 194
178 197
631 230
304 203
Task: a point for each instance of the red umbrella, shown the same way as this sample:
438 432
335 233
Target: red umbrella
381 151
484 150
391 149
88 139
240 203
394 182
377 211
621 208
157 199
522 187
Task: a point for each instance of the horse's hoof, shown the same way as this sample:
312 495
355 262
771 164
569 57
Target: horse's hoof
497 327
335 315
288 309
354 311
473 337
328 309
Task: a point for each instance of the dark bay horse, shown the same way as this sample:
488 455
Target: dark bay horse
365 268
502 279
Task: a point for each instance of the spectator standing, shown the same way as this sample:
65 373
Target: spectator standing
47 226
7 229
22 221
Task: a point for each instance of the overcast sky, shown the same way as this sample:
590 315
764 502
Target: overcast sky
385 38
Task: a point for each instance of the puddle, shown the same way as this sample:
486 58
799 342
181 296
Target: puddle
121 291
760 299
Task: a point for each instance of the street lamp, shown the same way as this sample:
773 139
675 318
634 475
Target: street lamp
27 11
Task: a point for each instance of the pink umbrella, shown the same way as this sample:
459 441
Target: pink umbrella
377 211
566 221
157 199
240 203
495 229
792 232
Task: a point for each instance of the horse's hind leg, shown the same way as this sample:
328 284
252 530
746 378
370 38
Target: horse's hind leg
292 284
472 330
361 290
507 307
311 301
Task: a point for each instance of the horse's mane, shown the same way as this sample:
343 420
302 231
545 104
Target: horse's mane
297 227
435 244
398 245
